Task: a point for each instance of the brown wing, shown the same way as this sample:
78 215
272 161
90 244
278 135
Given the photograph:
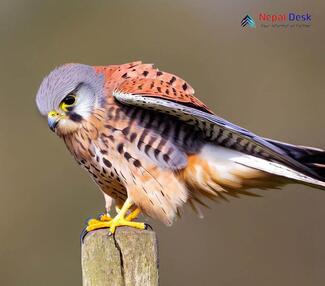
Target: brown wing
145 79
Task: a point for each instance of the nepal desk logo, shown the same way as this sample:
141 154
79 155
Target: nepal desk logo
248 21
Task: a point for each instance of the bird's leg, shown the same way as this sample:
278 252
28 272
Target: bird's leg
132 215
122 220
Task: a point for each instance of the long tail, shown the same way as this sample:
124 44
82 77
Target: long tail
217 171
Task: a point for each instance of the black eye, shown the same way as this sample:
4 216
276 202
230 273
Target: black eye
69 99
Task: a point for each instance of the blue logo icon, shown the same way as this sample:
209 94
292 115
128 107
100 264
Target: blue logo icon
248 21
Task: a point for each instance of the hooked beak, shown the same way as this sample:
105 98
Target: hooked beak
53 118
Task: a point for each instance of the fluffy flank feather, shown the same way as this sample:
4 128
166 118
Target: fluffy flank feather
213 175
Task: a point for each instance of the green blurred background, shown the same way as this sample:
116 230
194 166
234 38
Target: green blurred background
270 81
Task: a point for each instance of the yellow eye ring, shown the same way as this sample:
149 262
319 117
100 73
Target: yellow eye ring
67 102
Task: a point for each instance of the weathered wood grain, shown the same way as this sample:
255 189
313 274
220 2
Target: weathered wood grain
128 258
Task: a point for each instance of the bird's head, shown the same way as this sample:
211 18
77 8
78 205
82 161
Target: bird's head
68 96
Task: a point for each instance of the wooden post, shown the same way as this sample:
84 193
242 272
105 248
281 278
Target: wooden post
129 257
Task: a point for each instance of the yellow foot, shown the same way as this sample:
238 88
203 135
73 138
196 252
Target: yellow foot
121 221
112 224
105 221
101 222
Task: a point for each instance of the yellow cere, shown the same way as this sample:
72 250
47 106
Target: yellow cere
53 113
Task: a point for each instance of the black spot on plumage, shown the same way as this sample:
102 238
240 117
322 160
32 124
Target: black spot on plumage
133 136
147 148
166 158
184 86
172 80
120 148
145 73
126 130
127 156
104 152
137 163
159 88
107 163
159 73
156 153
125 75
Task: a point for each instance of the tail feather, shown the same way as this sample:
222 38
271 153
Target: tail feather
313 158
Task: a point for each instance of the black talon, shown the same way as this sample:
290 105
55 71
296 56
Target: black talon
100 215
83 235
147 226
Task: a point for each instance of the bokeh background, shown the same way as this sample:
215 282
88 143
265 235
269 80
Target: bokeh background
270 81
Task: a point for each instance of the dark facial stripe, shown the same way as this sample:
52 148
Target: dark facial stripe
75 117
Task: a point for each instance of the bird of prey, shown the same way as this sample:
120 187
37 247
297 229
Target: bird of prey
151 146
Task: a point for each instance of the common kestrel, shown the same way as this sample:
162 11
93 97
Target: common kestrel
151 146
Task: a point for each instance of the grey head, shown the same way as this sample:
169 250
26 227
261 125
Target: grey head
69 94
